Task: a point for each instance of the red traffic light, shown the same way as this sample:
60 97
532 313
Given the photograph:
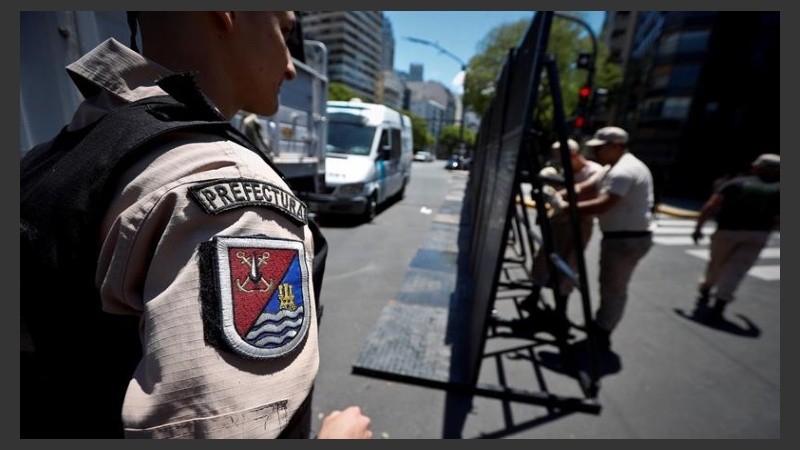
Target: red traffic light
580 121
584 92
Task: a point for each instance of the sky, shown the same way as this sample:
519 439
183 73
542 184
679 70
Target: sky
458 32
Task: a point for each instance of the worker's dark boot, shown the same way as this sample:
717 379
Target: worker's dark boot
718 308
703 297
531 302
602 338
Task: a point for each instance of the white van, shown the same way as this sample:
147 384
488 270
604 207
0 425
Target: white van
368 157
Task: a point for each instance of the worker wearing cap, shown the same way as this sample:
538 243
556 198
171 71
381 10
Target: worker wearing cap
747 210
585 172
624 212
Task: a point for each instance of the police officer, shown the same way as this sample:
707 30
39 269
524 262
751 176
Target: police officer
199 241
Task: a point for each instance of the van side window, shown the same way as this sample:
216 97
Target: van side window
396 148
384 138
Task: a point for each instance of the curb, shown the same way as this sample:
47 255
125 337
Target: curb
677 212
660 208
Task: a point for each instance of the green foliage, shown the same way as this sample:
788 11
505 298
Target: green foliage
338 91
566 40
483 68
422 137
450 139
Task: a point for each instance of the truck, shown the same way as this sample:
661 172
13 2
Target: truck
50 40
368 158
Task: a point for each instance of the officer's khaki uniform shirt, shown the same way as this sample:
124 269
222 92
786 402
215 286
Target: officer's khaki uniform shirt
149 266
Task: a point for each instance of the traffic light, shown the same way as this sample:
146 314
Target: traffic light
584 61
582 109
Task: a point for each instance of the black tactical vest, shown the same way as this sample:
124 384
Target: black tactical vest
73 384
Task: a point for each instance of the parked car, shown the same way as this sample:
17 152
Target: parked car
457 162
423 156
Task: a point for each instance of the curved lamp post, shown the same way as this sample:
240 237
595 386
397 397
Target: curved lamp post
593 64
463 82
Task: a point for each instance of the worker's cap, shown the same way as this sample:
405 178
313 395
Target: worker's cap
608 135
768 161
571 144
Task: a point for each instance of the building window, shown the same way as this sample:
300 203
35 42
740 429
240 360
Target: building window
684 76
651 108
669 45
659 77
694 41
676 108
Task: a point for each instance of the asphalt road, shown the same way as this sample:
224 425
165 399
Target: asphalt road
670 375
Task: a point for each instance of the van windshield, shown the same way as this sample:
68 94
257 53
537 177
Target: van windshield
349 138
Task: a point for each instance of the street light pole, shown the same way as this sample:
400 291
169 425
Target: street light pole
592 66
463 82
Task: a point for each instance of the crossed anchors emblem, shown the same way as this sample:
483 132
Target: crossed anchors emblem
254 279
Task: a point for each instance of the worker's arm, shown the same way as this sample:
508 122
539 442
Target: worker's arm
598 205
709 209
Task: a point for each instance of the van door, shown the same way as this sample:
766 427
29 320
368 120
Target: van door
388 163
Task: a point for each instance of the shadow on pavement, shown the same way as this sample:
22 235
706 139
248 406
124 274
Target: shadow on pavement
608 362
702 315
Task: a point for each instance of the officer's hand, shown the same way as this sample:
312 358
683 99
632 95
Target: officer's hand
696 236
347 424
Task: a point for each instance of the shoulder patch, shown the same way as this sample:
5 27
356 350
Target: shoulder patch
221 195
255 293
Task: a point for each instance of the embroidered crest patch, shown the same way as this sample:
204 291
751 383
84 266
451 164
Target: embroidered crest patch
259 305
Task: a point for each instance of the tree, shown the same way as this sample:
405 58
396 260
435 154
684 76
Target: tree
422 138
566 41
483 68
450 139
339 91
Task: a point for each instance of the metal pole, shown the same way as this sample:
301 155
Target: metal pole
590 74
463 106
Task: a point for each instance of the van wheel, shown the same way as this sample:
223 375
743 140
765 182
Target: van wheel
372 208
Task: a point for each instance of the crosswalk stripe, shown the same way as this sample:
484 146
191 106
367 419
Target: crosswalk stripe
677 232
769 272
675 222
683 230
770 252
673 240
703 253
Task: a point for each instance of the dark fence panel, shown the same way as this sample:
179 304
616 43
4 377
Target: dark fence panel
496 172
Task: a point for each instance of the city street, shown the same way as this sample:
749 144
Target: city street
670 373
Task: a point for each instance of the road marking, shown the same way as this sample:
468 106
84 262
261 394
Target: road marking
673 240
675 222
768 273
704 253
677 232
681 230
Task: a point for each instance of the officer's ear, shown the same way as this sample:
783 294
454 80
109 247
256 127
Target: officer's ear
225 19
